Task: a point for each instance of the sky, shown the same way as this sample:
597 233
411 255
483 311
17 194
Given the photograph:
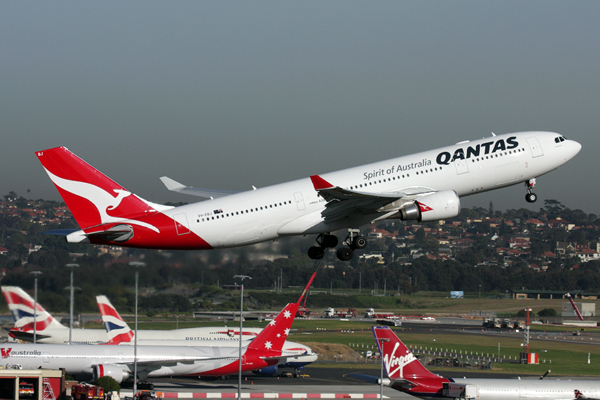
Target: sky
228 95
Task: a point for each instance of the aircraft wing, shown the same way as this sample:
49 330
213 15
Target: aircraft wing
343 202
181 188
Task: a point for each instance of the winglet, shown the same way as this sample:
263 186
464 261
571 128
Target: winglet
320 183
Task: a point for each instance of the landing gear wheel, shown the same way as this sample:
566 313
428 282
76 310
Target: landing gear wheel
531 197
329 241
316 252
359 242
344 254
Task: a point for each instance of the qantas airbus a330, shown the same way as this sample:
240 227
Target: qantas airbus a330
422 187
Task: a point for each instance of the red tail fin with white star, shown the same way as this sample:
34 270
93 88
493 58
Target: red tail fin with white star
270 340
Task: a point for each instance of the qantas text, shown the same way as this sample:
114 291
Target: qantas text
445 158
396 169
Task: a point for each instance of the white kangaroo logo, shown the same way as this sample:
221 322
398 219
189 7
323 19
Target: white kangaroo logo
100 198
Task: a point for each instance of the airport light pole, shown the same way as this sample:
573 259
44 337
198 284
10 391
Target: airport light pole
72 266
137 265
382 341
242 277
35 275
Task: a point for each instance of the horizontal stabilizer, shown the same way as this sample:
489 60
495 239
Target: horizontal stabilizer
60 232
367 378
175 186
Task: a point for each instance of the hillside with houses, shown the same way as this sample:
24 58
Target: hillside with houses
483 249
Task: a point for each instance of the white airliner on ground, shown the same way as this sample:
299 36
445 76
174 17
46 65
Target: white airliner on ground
407 374
49 330
423 187
155 361
119 332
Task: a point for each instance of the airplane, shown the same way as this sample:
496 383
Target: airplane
156 361
119 332
49 330
423 187
406 374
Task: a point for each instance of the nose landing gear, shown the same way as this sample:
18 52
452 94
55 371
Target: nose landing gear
530 197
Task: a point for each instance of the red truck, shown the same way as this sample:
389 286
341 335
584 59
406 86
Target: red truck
84 391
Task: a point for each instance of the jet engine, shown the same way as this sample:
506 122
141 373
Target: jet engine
272 370
433 207
114 371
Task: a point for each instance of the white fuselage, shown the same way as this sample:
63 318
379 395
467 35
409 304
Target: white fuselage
544 389
215 335
295 208
81 358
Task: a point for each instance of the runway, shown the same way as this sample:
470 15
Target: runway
320 383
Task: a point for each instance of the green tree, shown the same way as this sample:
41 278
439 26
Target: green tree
108 383
547 312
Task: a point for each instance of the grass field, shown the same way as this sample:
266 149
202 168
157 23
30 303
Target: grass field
563 358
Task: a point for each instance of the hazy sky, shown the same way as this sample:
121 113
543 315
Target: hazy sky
232 94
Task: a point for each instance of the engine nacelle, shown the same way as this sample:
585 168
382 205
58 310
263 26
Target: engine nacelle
272 370
433 207
114 371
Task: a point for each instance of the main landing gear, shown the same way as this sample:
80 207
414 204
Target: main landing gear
353 241
325 240
530 197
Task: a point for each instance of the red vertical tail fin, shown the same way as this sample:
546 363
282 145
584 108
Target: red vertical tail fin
399 361
92 197
272 337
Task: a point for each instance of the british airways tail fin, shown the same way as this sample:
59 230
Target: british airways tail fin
21 305
116 328
399 361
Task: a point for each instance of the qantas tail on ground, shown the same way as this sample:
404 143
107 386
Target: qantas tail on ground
21 304
265 350
117 329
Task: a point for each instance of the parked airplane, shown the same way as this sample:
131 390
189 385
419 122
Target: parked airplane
405 373
423 187
118 332
155 361
49 330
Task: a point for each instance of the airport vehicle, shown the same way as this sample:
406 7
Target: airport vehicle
155 361
49 330
119 332
405 373
85 391
423 187
26 390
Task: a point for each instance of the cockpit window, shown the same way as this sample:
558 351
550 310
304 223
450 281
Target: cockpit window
559 139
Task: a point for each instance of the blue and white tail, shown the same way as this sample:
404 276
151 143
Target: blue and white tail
21 305
116 328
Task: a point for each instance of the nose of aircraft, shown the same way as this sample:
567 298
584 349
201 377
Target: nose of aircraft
573 149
